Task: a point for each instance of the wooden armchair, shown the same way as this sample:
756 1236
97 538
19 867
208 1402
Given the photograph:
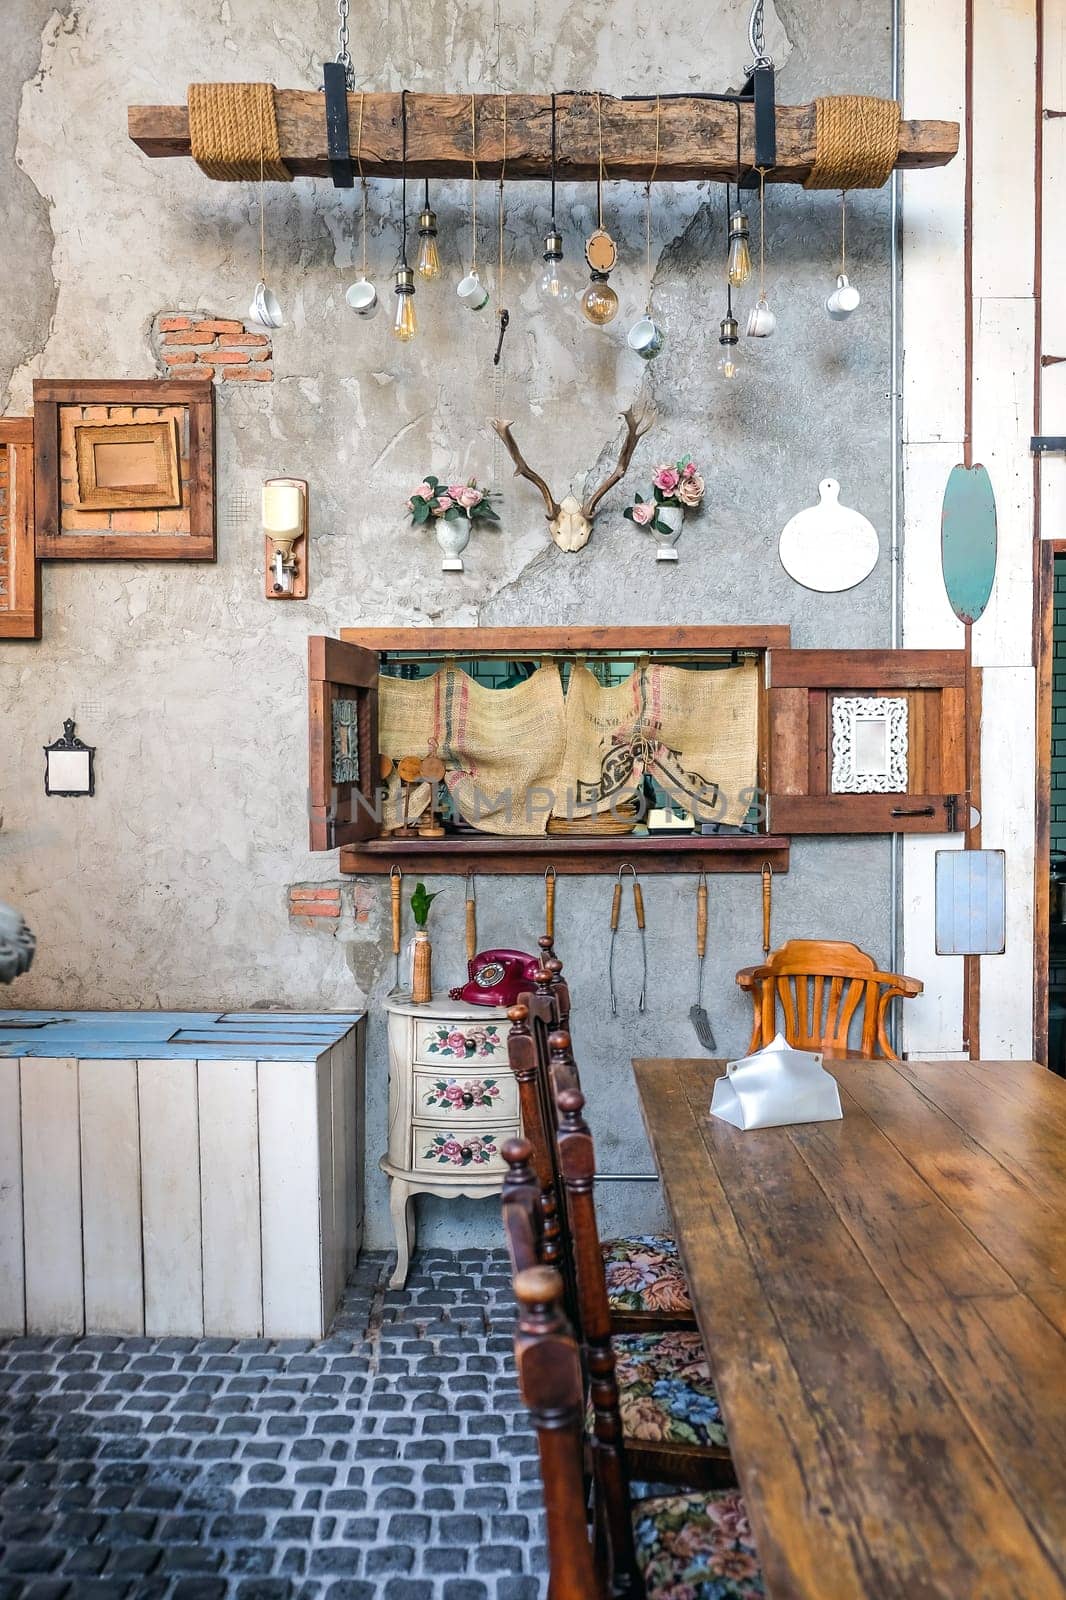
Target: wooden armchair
821 985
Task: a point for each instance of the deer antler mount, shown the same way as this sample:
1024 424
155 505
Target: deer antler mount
570 520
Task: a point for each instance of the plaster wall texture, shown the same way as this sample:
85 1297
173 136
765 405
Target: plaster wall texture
169 887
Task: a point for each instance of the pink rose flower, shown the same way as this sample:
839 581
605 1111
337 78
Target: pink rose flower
456 490
424 491
453 1149
411 504
469 496
442 505
453 1093
643 513
690 490
457 1041
689 470
666 479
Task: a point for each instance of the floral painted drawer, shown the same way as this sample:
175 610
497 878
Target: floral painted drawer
449 1041
460 1097
449 1152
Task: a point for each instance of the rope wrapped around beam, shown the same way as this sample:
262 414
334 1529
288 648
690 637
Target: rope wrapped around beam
856 142
233 131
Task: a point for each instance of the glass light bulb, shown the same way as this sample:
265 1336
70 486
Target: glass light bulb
404 325
428 265
553 287
739 267
599 303
728 365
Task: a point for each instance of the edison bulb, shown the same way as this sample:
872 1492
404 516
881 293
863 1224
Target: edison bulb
404 325
428 263
739 268
728 338
728 365
553 287
599 303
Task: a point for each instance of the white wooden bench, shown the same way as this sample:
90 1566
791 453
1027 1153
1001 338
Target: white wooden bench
179 1172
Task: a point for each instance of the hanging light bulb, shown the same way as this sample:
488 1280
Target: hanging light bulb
404 323
553 287
599 303
428 262
739 269
729 338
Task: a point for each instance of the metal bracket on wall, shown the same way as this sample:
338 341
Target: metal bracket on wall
335 84
760 89
1045 444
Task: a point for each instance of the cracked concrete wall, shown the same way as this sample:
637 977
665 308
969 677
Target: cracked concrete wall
169 888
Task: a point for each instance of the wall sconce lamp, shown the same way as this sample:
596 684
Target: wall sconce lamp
68 765
285 525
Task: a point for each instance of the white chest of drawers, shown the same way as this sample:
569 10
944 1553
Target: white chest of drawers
453 1102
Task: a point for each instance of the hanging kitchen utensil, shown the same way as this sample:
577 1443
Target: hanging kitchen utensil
362 295
829 547
767 906
395 893
471 916
697 1015
968 541
616 913
550 876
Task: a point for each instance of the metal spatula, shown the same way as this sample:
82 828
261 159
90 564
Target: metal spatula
699 1018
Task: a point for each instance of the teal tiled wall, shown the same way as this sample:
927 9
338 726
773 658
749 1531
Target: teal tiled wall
1058 713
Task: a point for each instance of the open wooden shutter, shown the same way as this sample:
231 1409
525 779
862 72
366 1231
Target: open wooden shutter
20 590
343 742
803 687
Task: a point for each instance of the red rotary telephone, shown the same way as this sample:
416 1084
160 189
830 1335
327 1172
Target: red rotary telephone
497 978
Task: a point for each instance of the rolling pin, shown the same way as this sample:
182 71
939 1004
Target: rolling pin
767 883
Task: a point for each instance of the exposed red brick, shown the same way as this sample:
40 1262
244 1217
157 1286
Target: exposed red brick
219 325
227 339
190 336
261 355
168 324
232 358
324 892
174 358
258 373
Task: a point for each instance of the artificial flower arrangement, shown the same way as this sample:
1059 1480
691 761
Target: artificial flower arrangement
450 501
679 486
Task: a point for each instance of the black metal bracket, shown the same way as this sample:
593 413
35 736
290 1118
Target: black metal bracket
760 90
1044 444
335 84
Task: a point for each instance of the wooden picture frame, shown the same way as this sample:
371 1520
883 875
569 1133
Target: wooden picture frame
20 575
146 473
67 529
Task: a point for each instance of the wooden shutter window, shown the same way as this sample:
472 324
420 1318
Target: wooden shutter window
803 684
20 591
342 743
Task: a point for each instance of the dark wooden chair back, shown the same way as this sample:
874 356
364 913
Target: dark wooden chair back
538 1126
550 1381
820 986
520 1207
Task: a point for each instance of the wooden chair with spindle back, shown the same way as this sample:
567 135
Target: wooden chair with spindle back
673 1541
820 985
652 1389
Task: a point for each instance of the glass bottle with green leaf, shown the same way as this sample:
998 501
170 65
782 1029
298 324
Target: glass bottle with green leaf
422 962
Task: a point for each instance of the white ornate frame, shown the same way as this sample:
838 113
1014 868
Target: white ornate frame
848 710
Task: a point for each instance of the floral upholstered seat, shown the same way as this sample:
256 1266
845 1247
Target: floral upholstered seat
644 1275
697 1547
665 1392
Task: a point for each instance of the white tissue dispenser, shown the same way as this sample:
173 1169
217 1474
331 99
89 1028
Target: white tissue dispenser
774 1087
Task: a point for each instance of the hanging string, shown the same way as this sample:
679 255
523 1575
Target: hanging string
762 233
403 190
504 314
599 167
728 285
843 220
473 186
262 197
647 203
362 176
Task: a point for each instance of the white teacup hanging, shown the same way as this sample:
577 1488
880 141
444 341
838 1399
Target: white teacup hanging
829 547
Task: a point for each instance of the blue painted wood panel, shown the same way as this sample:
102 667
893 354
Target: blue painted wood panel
971 903
173 1035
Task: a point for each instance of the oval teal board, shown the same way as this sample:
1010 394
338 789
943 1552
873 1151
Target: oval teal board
968 541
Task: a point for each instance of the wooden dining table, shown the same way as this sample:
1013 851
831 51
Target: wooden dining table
883 1304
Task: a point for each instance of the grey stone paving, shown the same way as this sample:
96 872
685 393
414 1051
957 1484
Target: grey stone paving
393 1459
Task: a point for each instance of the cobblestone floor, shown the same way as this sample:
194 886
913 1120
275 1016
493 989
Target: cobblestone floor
391 1461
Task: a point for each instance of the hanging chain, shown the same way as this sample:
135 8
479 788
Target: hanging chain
502 311
343 56
756 39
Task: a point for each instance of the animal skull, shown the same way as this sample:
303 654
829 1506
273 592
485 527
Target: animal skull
570 520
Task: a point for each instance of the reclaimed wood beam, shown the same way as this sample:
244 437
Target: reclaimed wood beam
698 137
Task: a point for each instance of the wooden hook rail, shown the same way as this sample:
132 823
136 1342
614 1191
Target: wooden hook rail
698 138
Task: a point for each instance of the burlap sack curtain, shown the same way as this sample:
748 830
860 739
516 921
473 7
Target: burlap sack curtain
501 748
514 756
695 733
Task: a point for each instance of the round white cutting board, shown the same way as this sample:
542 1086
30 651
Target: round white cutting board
829 547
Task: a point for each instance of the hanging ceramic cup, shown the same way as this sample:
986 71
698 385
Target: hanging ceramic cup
646 338
265 307
472 292
843 300
761 320
362 297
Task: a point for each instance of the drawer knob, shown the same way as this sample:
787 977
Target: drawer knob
468 1099
469 1042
